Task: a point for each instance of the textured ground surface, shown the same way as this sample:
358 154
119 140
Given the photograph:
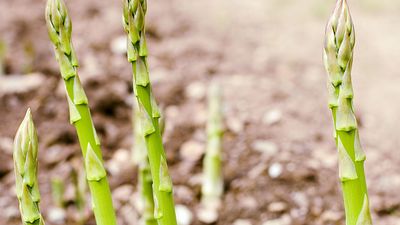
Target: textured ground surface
279 156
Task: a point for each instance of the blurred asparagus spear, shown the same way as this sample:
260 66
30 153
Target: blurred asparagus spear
80 186
57 192
26 167
60 28
134 24
338 58
145 181
212 188
3 52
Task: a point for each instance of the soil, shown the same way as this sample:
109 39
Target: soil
280 162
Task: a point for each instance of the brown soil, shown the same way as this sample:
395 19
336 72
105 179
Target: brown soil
266 55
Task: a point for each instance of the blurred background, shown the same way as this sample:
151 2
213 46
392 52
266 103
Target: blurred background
280 162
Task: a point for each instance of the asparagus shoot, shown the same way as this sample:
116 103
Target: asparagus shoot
338 59
134 24
60 27
26 167
212 188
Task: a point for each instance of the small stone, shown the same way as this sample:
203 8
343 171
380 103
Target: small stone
192 150
207 215
57 153
184 193
300 199
69 193
159 75
331 216
277 207
284 220
118 45
122 193
257 170
272 117
172 112
196 179
16 84
199 115
56 216
249 202
6 145
235 124
10 212
121 160
183 215
266 147
128 213
275 170
242 222
196 90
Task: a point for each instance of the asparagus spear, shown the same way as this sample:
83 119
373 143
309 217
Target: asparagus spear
59 28
3 52
212 188
134 24
145 181
79 183
57 192
338 59
25 167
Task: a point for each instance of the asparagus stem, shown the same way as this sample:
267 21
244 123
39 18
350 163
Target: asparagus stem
145 181
59 28
57 192
134 24
338 58
3 52
80 189
212 188
26 167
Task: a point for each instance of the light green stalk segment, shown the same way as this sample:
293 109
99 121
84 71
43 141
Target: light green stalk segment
212 188
80 185
145 181
60 28
25 168
134 24
57 192
338 59
3 52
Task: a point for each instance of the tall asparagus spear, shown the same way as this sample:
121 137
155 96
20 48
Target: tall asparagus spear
134 24
25 167
145 181
60 28
212 187
338 58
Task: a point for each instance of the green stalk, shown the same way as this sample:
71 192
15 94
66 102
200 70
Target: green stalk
3 52
212 188
59 28
80 188
134 24
25 167
338 58
145 181
57 192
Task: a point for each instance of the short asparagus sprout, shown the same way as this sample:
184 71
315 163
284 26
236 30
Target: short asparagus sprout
26 166
59 28
134 24
145 181
57 192
338 58
212 188
80 189
3 52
